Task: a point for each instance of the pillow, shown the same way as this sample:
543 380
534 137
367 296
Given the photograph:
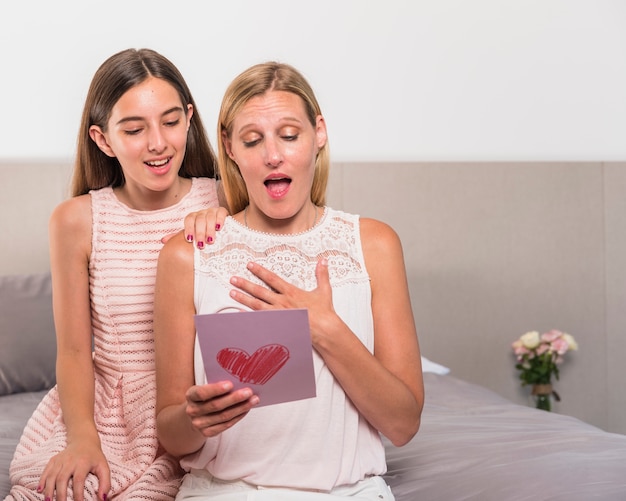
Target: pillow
434 367
27 335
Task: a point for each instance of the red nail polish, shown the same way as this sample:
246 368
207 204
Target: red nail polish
189 238
200 244
209 239
218 226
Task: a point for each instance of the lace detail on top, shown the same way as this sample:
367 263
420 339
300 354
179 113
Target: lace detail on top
292 257
268 447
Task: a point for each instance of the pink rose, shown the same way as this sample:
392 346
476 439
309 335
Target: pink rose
543 347
520 350
560 346
551 336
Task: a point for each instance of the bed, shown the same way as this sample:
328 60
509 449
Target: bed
472 444
475 445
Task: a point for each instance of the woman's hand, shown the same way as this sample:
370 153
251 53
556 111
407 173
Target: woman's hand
75 462
201 226
283 295
214 407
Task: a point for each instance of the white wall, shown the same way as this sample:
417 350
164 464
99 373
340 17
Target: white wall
397 79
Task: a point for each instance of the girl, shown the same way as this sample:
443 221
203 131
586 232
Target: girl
143 163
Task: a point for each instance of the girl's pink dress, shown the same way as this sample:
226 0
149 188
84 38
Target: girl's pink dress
122 269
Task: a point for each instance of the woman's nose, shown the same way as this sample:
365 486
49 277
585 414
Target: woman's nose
273 153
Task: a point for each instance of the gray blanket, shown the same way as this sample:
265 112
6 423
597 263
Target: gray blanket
474 444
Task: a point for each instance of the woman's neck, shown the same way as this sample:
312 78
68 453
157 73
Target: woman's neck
303 221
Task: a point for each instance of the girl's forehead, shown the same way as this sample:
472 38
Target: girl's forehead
153 95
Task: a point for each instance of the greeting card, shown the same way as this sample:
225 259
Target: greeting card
269 352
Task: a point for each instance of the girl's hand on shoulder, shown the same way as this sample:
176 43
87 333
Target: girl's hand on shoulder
75 462
215 407
201 226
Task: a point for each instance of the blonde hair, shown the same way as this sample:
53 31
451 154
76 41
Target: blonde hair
256 81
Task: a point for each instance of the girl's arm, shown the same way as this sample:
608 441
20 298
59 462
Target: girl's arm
186 414
70 247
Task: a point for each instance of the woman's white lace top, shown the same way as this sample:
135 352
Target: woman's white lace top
318 443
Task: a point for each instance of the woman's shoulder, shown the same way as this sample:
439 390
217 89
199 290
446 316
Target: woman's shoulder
376 227
177 253
378 238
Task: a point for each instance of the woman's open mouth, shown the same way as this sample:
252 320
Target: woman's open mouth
277 187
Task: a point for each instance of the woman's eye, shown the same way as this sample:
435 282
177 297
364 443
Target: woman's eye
251 142
132 132
290 137
173 123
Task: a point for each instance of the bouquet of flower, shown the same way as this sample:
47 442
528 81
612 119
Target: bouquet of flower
538 358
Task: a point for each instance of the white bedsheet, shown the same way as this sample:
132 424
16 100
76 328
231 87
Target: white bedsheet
434 367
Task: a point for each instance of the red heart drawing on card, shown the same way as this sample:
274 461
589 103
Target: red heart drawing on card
257 368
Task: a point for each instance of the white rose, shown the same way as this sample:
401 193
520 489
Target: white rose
530 340
571 342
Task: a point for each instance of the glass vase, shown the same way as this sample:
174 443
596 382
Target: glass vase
543 394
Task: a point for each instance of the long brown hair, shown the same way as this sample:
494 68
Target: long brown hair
255 81
122 71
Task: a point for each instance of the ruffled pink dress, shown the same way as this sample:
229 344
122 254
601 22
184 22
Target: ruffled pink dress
125 249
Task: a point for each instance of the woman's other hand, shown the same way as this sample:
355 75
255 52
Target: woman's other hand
214 407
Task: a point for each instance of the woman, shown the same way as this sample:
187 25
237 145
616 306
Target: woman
283 249
144 162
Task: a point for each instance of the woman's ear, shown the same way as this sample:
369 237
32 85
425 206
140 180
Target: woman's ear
320 132
98 137
228 145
